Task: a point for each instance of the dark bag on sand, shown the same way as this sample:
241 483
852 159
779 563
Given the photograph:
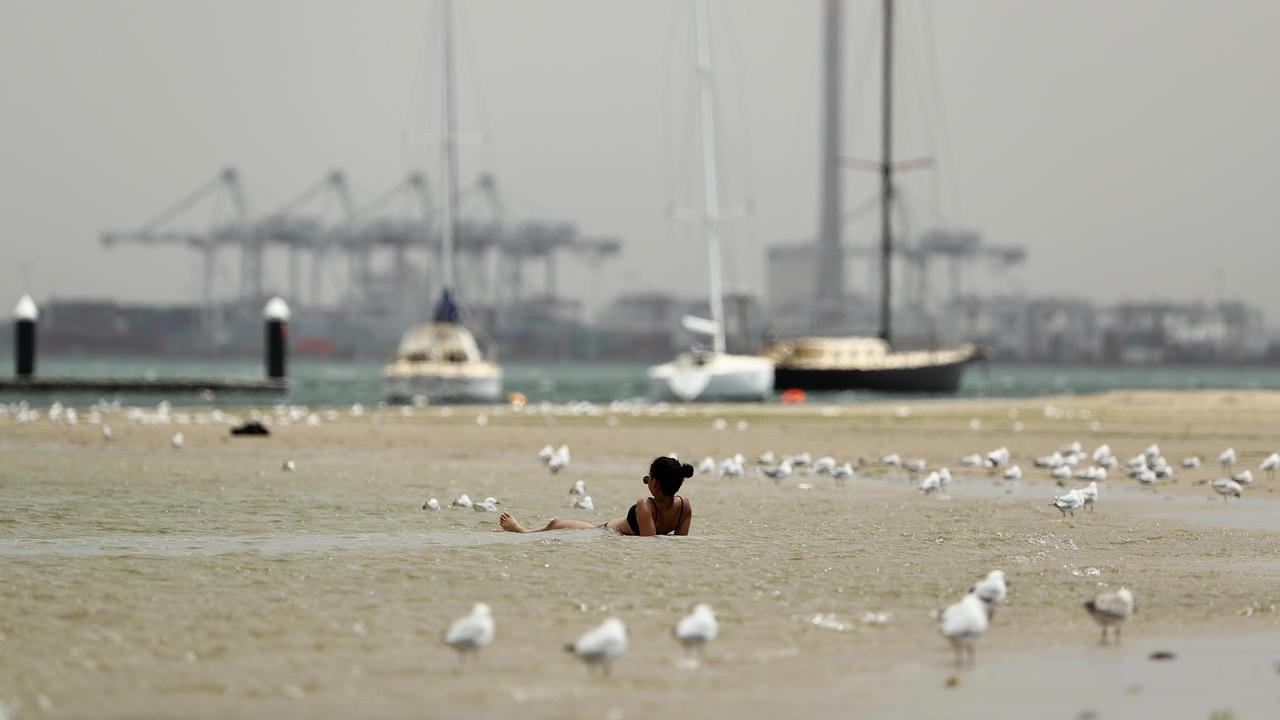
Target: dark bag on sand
253 427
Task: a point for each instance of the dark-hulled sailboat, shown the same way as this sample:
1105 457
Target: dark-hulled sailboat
851 362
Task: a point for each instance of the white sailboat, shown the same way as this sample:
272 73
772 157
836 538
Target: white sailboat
440 360
713 374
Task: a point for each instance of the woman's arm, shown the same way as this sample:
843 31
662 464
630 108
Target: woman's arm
644 518
688 517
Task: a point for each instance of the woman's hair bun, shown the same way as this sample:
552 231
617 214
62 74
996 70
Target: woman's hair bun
686 470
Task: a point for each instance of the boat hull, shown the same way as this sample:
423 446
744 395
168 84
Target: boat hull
941 378
442 389
727 378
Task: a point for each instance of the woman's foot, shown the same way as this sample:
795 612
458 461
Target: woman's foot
509 523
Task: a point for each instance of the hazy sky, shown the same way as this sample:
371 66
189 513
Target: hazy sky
1132 147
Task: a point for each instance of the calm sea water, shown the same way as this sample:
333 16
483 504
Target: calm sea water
343 382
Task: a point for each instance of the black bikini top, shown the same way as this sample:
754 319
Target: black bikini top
635 526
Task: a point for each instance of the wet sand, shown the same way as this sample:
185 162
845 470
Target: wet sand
142 580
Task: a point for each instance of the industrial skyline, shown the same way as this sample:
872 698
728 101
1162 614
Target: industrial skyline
1130 151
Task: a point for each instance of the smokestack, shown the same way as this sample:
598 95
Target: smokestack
24 327
276 314
830 297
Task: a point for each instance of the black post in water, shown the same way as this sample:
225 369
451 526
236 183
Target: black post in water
24 327
276 314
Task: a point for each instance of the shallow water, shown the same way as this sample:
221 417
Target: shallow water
146 581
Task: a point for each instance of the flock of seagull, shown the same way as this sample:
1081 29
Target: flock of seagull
598 647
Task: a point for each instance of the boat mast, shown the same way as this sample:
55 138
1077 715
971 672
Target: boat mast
448 148
830 297
710 181
886 173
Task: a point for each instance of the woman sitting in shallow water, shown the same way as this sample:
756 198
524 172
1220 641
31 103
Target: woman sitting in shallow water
664 513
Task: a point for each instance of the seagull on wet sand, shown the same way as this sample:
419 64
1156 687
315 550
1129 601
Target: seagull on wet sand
842 473
1110 609
486 505
698 628
963 623
462 501
1069 503
1244 478
467 635
1271 464
824 465
1013 473
1227 458
432 504
992 591
601 646
1228 488
1089 494
782 470
931 484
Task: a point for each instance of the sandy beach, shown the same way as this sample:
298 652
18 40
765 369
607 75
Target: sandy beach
143 580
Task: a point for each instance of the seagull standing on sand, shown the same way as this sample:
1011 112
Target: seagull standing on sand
992 591
1244 478
579 488
584 503
289 466
1013 473
781 471
997 458
486 505
1191 462
601 646
697 629
824 465
1069 503
432 504
462 501
1228 488
559 459
1227 458
1110 609
931 484
1270 465
707 465
973 460
546 453
467 635
1062 472
842 473
892 459
766 458
963 623
1089 494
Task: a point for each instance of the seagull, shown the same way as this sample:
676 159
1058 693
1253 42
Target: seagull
1013 473
944 477
781 471
432 504
730 467
1071 448
1227 488
973 460
289 466
698 628
579 488
1227 458
584 503
1191 462
824 465
546 453
469 634
1069 503
765 459
1147 477
1061 472
1271 464
559 459
916 466
707 465
1089 494
1110 609
177 440
804 459
601 646
1152 451
998 457
931 484
1101 453
992 591
963 623
106 433
486 505
462 501
891 459
842 473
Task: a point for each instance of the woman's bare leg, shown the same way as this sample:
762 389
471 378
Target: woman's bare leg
509 523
